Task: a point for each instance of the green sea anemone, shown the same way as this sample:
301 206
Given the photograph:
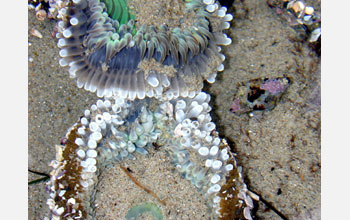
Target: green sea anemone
135 49
150 208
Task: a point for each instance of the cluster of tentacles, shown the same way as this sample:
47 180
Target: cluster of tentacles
112 53
150 74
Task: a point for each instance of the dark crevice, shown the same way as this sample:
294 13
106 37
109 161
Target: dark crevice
38 173
269 205
226 3
44 178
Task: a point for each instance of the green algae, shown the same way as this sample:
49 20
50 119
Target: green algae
138 210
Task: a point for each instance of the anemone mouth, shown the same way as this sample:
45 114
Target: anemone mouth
129 49
173 14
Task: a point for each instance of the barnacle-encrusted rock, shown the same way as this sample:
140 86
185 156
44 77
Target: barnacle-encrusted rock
114 48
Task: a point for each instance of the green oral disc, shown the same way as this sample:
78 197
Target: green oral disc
119 10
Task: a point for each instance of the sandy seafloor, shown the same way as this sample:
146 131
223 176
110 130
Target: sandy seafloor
279 150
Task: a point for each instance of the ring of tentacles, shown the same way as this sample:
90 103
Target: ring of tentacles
148 60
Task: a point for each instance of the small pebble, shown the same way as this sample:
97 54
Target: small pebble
298 6
36 33
41 14
309 10
31 7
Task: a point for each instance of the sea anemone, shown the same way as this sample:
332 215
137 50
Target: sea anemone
137 49
181 127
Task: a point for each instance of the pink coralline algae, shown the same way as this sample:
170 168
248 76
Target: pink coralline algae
259 94
235 105
274 86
